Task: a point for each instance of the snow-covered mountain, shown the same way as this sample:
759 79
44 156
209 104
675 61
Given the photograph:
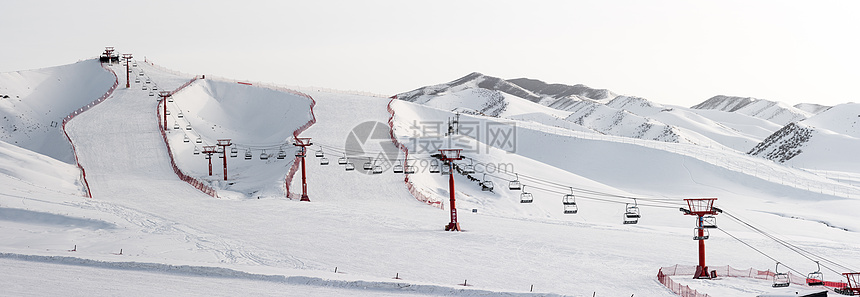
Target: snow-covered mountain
812 108
842 119
581 108
777 112
553 95
826 141
784 144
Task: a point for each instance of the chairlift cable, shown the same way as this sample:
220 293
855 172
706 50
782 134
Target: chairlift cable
595 198
790 246
584 194
560 185
787 244
759 251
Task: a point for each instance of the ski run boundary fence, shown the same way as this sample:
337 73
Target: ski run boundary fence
409 185
663 276
79 111
197 184
296 163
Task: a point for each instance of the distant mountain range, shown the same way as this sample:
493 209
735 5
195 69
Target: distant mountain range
769 129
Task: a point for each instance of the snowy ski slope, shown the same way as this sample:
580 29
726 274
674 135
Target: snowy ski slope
369 226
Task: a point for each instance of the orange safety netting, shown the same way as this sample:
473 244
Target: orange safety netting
725 271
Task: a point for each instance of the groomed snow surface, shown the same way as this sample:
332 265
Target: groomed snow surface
145 232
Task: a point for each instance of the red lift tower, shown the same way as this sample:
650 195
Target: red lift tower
448 156
164 95
127 57
303 143
209 150
704 210
223 143
108 55
853 287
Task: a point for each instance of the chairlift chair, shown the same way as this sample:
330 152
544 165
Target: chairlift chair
780 279
320 153
569 203
486 185
409 169
368 166
632 211
144 88
198 140
709 222
140 74
342 161
180 115
175 126
248 155
323 161
300 153
398 168
169 99
526 197
434 167
167 113
282 154
515 185
349 167
815 278
151 93
186 139
234 152
377 169
704 236
154 87
188 127
136 80
264 155
196 151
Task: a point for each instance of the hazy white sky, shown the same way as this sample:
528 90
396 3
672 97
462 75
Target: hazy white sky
672 52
